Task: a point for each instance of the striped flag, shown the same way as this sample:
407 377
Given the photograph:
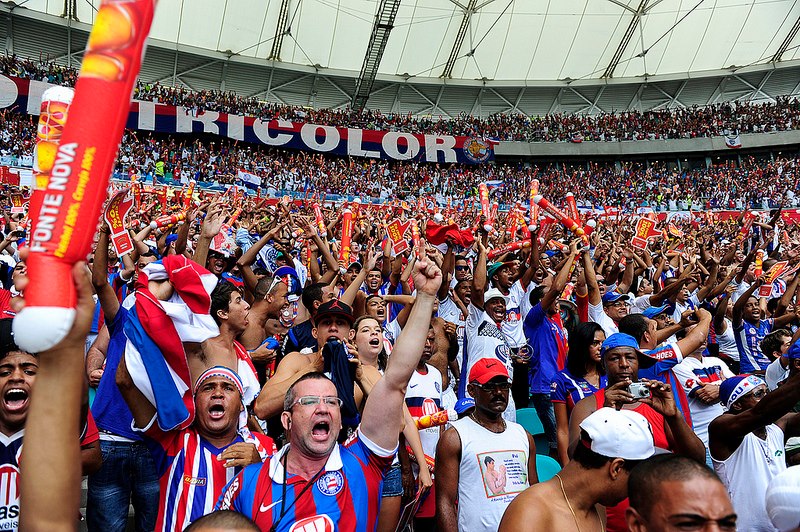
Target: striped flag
157 329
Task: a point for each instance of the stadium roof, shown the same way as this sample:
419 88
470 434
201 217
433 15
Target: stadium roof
511 40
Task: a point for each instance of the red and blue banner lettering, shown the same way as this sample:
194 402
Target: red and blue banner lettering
23 95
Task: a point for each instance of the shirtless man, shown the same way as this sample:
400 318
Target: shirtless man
612 443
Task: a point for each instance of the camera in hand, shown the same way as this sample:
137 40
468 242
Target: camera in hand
639 390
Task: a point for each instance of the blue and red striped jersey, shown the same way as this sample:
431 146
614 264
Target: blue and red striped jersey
345 496
191 477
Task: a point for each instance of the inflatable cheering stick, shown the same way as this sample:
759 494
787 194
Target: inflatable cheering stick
53 116
565 220
62 232
347 238
320 221
418 249
483 192
435 420
508 248
534 208
167 220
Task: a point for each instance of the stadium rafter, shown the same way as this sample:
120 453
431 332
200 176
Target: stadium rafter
381 28
626 38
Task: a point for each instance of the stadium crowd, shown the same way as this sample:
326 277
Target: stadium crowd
754 184
319 341
260 363
678 123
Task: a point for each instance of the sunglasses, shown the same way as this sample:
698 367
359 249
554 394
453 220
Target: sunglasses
462 268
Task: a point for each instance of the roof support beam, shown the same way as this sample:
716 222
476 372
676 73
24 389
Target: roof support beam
757 90
469 10
381 28
281 30
626 38
786 42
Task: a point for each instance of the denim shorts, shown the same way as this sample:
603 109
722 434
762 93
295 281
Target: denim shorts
393 482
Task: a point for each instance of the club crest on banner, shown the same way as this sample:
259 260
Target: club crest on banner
477 150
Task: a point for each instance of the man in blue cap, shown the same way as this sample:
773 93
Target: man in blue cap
621 359
747 442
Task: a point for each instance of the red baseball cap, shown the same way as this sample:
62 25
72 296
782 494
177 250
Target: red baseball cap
487 369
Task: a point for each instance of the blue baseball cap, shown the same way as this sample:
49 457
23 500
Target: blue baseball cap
652 312
794 351
626 340
612 297
462 405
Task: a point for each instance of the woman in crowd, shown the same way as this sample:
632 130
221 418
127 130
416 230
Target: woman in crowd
582 377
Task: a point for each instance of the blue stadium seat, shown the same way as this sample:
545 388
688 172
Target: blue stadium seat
546 467
529 419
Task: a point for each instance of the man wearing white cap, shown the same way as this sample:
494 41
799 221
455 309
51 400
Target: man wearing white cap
483 332
782 497
747 442
612 443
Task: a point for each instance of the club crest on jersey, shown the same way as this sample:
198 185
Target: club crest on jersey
330 483
9 496
315 523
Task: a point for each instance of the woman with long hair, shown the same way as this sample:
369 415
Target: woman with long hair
367 339
582 377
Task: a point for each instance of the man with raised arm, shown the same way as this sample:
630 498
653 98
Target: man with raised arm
314 482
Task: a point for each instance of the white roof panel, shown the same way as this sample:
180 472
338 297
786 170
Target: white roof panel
513 40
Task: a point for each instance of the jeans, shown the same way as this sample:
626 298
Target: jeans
128 472
541 402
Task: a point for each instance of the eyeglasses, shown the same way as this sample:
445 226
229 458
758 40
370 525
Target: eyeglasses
492 387
758 394
314 400
462 268
618 304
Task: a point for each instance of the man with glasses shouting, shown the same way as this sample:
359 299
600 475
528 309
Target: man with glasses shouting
483 461
314 483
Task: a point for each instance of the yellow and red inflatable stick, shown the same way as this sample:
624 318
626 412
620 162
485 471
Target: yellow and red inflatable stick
418 249
508 248
347 237
534 208
559 215
483 193
572 207
167 220
189 195
320 221
52 118
62 232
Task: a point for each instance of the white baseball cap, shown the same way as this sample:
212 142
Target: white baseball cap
781 499
619 434
494 293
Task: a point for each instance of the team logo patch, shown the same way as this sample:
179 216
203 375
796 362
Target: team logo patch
477 149
330 483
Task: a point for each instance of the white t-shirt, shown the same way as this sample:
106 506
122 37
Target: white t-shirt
775 374
599 316
484 339
692 374
512 325
449 311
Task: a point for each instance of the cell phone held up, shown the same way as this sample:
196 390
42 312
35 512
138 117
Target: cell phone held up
639 390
